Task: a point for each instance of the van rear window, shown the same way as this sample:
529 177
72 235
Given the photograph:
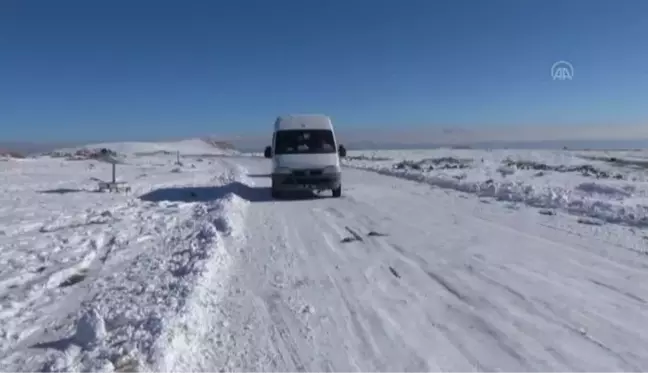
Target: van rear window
304 142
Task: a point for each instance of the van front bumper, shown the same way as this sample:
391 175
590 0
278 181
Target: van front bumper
313 182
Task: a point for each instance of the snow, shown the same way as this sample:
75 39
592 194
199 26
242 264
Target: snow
584 184
90 329
197 269
66 248
204 147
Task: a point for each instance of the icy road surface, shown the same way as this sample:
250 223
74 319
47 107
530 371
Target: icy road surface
396 276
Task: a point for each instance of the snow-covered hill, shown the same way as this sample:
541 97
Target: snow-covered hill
188 147
198 269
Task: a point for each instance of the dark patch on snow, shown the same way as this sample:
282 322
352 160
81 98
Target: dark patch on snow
300 283
590 221
443 163
446 285
634 163
504 171
109 248
74 279
376 234
398 249
616 290
393 271
62 191
365 158
585 170
547 212
83 154
221 224
355 234
60 345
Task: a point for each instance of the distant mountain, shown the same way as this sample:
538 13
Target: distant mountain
219 144
185 147
5 153
33 148
256 143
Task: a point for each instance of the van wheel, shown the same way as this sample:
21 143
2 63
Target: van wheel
337 192
274 192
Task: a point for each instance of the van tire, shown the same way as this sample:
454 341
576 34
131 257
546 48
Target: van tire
274 193
337 192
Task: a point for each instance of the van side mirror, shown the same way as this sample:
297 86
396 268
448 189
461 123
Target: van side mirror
268 152
342 151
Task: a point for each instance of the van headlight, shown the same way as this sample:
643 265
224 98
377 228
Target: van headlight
282 170
331 170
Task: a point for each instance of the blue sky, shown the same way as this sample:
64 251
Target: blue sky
114 70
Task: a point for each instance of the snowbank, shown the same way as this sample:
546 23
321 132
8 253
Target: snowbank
91 281
187 331
549 179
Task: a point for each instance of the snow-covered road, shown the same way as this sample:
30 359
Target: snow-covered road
398 276
200 270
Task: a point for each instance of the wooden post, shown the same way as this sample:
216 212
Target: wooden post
114 173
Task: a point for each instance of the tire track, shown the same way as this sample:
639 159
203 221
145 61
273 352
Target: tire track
477 302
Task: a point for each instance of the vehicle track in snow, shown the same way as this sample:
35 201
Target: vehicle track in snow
401 277
546 276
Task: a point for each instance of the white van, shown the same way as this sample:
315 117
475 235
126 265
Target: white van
305 155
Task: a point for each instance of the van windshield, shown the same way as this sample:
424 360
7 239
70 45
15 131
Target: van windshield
304 142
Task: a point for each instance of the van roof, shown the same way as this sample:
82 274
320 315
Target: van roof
299 121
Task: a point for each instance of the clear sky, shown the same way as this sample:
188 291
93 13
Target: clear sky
136 69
